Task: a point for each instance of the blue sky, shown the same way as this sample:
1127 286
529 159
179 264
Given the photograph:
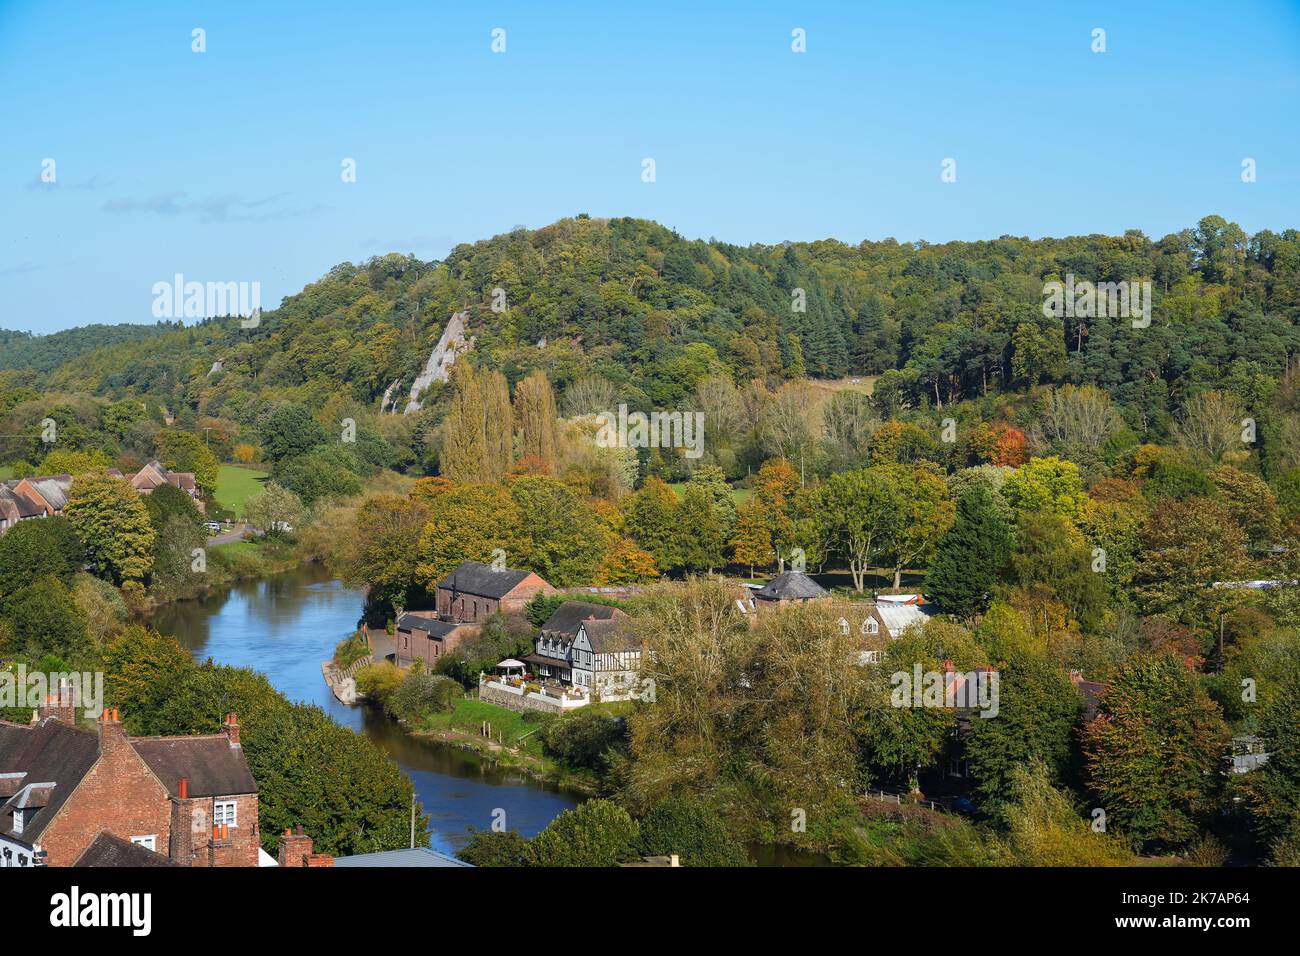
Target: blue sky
225 165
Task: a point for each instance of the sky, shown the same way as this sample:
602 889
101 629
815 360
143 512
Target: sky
227 165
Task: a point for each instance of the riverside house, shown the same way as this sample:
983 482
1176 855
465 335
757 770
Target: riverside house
590 646
475 591
22 499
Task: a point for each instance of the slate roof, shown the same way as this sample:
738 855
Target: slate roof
110 850
49 753
569 616
54 489
417 856
610 636
213 766
899 617
482 580
791 586
426 621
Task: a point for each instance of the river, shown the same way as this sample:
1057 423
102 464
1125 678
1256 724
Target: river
284 627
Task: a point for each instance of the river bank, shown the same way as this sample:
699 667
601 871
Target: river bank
284 626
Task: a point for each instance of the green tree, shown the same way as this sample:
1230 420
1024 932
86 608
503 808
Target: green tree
652 516
276 511
33 549
113 524
595 833
860 513
289 431
969 556
689 829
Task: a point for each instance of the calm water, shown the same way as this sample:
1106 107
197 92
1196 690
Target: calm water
285 627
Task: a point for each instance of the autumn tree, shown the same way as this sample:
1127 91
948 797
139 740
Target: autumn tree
862 514
1155 752
381 548
467 523
536 417
1186 547
652 516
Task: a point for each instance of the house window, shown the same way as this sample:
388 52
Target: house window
18 820
871 657
149 842
844 626
223 811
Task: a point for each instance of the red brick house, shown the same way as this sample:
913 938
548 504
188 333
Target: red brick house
476 591
190 799
424 636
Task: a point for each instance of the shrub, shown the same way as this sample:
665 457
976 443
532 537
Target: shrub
492 848
422 694
692 831
582 739
597 833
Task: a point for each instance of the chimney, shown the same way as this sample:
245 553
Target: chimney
674 860
232 728
181 847
949 666
220 847
62 706
111 735
295 850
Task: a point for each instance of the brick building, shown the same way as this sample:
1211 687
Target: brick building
424 636
476 591
191 799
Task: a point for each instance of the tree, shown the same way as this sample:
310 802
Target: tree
1249 500
652 516
113 524
496 848
276 511
34 549
1051 556
926 513
1211 423
45 619
1045 484
861 512
1045 829
185 451
595 833
690 830
380 551
702 548
1037 714
559 536
468 523
289 431
625 563
327 471
969 556
538 421
1155 752
1274 788
751 539
1185 548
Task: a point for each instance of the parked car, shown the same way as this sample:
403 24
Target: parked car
214 527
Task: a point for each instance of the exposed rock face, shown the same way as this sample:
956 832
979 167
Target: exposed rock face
438 368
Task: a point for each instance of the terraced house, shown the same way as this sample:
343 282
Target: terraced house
74 796
22 499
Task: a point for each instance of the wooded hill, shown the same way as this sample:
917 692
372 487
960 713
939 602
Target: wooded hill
652 312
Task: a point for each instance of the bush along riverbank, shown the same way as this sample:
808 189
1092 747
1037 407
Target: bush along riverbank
577 752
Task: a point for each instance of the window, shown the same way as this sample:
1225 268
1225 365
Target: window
844 626
18 820
871 626
223 811
149 842
871 657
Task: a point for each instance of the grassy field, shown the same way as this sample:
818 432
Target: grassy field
236 485
6 472
738 495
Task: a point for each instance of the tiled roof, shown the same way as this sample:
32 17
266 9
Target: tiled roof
482 580
110 850
426 621
570 615
49 753
213 766
791 586
610 636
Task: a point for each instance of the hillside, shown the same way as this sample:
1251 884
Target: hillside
651 312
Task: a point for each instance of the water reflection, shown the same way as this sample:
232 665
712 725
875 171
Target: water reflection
285 627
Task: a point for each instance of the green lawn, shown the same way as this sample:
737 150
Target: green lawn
738 495
236 485
6 472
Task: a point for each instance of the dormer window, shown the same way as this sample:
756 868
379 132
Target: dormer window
19 820
871 626
844 627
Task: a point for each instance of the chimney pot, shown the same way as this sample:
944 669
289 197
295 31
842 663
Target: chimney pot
183 788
